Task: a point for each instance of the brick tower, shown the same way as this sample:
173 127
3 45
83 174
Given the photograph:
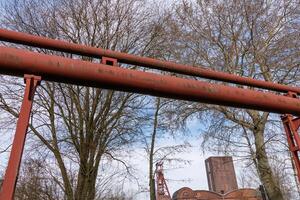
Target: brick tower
220 174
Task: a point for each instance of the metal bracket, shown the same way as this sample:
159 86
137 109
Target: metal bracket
109 61
33 81
12 171
292 94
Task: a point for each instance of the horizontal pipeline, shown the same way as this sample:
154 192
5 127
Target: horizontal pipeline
57 45
18 62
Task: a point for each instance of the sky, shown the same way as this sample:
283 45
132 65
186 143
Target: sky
192 175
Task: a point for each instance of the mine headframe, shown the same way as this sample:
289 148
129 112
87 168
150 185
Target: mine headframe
161 190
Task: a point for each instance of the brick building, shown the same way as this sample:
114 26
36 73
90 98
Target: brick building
220 173
239 194
222 184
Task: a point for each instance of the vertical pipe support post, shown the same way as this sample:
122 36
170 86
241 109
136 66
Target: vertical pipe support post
12 171
291 126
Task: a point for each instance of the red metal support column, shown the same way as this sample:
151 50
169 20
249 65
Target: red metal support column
11 176
291 126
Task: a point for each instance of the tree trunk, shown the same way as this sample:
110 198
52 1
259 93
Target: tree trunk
264 169
151 153
87 177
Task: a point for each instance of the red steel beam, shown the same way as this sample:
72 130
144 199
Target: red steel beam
17 62
42 42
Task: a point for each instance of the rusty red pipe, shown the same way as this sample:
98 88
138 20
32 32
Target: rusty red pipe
18 62
42 42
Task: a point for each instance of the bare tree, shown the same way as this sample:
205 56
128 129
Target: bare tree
34 183
254 39
160 127
80 126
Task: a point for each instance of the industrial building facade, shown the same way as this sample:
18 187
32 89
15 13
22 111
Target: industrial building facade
222 184
239 194
220 173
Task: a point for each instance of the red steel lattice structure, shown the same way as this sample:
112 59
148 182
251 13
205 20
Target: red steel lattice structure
291 126
18 62
162 190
